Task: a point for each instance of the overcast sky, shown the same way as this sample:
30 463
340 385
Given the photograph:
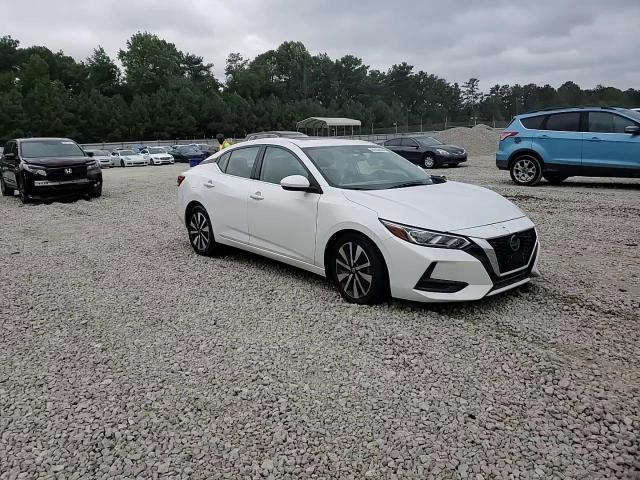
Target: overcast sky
547 41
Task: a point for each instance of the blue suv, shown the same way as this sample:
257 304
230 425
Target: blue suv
557 144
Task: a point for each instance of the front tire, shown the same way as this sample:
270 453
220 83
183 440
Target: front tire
526 170
122 163
24 196
428 161
96 192
6 191
358 270
200 231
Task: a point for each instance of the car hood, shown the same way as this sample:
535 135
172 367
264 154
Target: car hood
58 161
450 148
444 207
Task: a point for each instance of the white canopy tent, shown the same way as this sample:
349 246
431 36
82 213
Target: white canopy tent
318 125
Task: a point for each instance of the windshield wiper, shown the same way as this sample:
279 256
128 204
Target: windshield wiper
410 184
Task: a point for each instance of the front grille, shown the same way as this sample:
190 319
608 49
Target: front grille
59 173
513 251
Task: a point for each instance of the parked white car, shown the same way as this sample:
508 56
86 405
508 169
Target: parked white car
157 156
369 220
127 158
103 157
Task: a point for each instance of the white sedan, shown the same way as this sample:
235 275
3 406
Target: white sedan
157 156
361 215
127 158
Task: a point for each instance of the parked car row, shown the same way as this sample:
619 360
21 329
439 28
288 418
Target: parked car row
141 155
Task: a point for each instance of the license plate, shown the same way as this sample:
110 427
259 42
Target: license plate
46 183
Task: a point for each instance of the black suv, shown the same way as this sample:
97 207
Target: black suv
47 168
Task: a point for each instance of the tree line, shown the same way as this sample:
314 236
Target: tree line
163 93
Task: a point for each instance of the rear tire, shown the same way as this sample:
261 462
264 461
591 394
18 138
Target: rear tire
428 161
358 270
526 170
6 191
200 232
555 179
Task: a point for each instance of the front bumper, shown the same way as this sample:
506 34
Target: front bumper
450 159
38 188
426 274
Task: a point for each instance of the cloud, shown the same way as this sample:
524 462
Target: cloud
497 41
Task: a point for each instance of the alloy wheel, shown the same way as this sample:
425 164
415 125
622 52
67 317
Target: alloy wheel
199 231
525 170
428 161
353 270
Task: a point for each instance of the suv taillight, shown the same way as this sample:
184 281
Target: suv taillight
505 135
180 179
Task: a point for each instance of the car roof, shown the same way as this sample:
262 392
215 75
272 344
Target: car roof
304 142
40 139
547 111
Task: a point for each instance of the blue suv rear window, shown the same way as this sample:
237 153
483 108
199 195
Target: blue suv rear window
533 123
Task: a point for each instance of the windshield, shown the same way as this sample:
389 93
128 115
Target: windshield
428 141
187 149
156 150
633 114
365 167
100 153
126 152
50 148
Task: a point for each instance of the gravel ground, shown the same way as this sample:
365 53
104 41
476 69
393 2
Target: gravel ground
125 355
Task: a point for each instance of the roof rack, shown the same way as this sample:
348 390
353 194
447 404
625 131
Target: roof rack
605 107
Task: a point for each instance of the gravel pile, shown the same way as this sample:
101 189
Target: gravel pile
478 140
124 355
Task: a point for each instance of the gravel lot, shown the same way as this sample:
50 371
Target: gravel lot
124 355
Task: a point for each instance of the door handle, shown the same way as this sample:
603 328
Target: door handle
594 139
209 184
257 196
544 136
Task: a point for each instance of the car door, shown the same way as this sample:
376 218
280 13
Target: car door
395 146
281 221
607 146
10 162
560 141
411 149
226 194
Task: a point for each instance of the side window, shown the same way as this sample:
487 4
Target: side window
564 122
241 161
620 123
279 163
393 143
533 123
408 142
10 147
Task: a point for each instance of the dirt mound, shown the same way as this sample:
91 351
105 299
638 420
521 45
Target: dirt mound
479 140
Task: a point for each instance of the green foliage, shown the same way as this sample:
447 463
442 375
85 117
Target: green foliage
163 93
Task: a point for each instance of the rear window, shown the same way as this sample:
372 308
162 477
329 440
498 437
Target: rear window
533 123
564 122
50 148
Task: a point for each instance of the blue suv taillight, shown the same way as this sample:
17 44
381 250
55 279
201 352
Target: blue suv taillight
505 135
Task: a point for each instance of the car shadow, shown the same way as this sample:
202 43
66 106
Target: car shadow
448 308
577 184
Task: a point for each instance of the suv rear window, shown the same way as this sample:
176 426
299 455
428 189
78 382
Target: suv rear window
533 123
564 122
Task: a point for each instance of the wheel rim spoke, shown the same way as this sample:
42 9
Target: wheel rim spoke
353 270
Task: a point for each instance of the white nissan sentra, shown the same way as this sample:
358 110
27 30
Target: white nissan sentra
372 222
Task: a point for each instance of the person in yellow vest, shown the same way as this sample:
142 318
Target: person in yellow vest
222 141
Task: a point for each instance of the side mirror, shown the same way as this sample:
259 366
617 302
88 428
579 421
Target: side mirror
10 156
632 129
89 154
295 183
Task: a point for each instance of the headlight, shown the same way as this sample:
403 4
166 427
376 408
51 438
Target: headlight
426 238
441 151
92 165
33 169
